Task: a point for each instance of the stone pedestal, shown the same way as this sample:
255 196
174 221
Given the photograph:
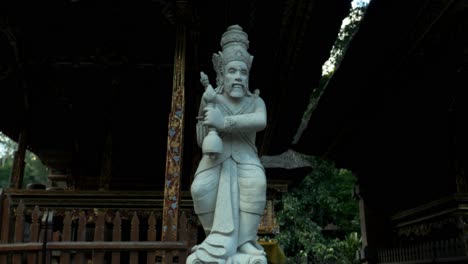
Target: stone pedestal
235 259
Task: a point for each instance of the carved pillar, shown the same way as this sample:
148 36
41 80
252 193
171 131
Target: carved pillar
366 254
363 224
175 142
17 172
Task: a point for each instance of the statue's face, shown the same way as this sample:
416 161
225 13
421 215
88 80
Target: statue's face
236 79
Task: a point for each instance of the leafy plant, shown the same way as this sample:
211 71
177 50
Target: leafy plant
34 171
322 199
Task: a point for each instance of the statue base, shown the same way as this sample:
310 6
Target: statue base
239 258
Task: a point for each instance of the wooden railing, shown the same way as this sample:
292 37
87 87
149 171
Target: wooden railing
431 252
33 234
434 232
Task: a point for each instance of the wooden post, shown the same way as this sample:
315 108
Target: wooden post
17 172
19 228
116 236
6 225
175 142
99 229
134 237
183 236
363 253
47 226
32 257
66 236
80 237
151 255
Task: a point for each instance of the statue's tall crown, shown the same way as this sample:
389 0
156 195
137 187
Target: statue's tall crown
234 44
234 36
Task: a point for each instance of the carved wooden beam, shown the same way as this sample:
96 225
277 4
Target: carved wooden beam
175 142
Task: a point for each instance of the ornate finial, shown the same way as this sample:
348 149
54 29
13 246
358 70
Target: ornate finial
234 36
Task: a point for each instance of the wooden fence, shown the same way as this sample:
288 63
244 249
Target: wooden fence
452 250
35 235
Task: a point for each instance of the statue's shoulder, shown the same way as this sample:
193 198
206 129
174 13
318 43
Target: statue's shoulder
257 100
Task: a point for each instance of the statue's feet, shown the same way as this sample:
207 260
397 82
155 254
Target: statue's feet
192 259
195 259
194 248
247 259
250 249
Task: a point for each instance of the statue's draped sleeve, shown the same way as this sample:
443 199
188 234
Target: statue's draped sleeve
250 122
201 129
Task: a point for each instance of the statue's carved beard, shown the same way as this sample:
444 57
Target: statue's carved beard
237 91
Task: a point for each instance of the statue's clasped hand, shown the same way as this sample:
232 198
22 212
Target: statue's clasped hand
209 96
213 117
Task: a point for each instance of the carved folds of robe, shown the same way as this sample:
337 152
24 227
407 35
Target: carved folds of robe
232 183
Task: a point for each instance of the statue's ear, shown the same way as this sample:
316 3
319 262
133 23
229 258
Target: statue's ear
249 62
218 61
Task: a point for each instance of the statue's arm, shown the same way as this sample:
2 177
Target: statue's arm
252 122
209 96
201 129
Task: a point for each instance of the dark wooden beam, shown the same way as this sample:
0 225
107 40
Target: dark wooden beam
17 172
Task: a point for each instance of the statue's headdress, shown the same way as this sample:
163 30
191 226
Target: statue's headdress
234 44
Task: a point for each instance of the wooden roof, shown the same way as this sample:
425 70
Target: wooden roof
393 112
75 71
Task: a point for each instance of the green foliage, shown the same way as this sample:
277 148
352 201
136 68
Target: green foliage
5 171
34 171
349 27
338 251
7 146
324 198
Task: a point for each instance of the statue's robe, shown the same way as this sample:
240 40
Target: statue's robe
236 175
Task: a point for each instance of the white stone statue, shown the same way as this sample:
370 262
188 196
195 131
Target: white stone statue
229 189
